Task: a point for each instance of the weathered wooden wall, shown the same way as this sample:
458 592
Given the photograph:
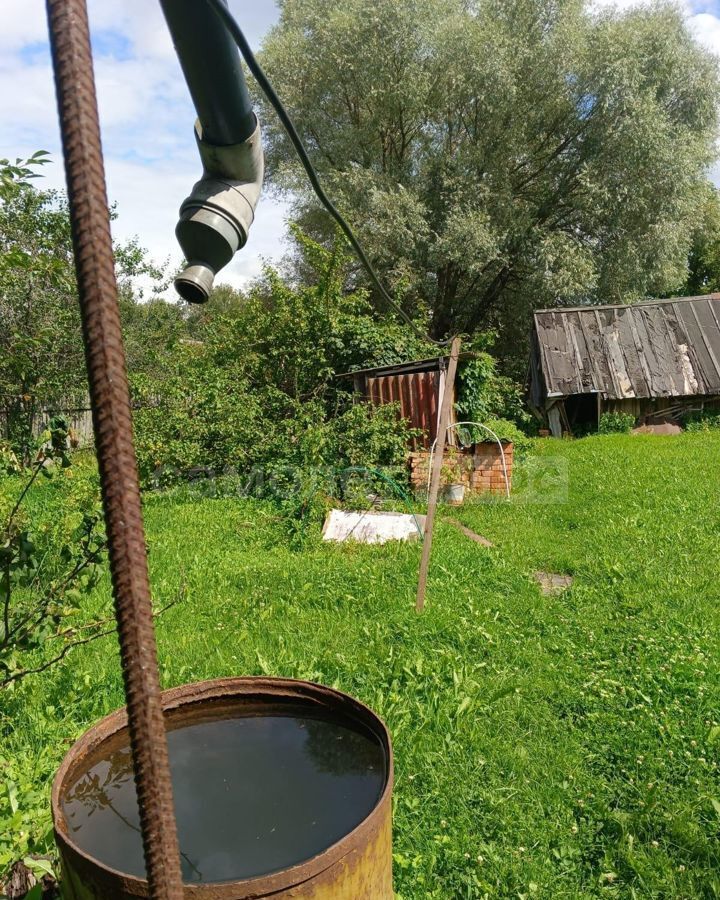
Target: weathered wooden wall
644 408
76 414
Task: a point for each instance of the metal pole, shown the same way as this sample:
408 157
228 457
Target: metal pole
445 411
110 400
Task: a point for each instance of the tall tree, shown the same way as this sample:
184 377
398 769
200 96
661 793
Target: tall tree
704 262
40 346
41 354
497 155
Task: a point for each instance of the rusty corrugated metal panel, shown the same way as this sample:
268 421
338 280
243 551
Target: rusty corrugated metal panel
416 407
423 412
417 395
406 405
433 391
668 348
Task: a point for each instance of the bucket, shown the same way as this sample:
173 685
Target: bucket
304 811
454 494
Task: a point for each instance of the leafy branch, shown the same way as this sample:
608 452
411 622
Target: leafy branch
42 589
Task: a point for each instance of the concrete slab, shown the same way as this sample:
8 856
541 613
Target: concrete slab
372 527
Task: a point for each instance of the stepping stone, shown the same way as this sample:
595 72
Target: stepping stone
552 583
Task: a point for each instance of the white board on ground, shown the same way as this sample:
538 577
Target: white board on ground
372 527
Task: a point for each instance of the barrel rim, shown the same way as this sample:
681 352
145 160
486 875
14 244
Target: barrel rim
196 694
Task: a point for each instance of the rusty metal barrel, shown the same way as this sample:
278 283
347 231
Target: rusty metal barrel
357 866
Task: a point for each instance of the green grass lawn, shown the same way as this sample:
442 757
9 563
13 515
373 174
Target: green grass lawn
546 747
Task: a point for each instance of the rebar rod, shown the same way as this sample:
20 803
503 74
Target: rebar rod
110 400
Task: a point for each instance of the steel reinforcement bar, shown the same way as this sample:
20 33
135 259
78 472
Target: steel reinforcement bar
110 399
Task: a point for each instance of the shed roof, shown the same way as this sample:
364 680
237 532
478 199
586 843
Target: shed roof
434 364
663 348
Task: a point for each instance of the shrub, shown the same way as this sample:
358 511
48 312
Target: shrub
508 431
9 462
706 420
257 388
616 423
374 436
47 567
202 416
485 394
255 393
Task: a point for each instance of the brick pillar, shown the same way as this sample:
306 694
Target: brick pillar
480 469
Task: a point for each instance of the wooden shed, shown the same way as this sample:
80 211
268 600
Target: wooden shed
417 387
652 359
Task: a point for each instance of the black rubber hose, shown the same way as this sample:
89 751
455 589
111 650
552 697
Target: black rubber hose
225 16
211 65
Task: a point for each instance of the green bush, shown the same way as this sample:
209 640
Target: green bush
257 390
25 827
204 417
9 462
369 435
616 423
508 431
706 420
255 393
503 428
483 393
49 562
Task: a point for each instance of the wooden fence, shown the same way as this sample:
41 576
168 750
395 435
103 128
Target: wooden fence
76 413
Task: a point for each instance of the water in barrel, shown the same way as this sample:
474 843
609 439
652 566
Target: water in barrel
253 795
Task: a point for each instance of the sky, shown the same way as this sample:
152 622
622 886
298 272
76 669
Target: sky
147 118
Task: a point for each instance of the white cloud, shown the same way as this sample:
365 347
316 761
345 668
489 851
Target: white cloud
141 21
146 114
23 23
29 114
146 117
706 29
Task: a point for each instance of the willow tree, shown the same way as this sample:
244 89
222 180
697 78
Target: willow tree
497 155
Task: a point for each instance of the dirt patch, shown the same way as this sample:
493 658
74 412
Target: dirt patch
667 428
478 538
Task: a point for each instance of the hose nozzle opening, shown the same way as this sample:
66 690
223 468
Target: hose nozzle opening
216 217
195 283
